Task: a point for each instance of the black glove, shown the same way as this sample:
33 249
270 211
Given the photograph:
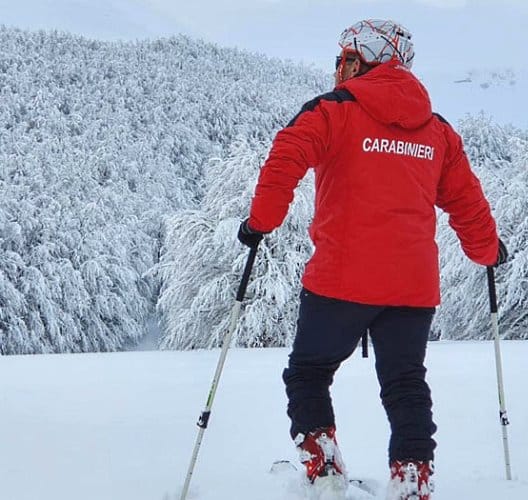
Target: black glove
248 236
502 257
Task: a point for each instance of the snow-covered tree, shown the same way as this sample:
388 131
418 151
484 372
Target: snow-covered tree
202 260
105 165
499 156
100 142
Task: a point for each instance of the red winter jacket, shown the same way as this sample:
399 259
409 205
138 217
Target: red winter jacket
382 162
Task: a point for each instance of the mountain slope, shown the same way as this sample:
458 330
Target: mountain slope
201 260
121 426
100 143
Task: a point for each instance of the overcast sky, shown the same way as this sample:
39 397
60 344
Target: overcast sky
451 37
453 33
445 31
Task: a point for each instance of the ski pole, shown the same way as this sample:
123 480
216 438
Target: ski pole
204 417
500 384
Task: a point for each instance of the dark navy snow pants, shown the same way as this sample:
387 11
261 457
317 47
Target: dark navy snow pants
328 331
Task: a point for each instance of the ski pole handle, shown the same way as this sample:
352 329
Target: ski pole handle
245 275
492 289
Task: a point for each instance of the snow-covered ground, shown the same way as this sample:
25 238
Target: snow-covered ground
121 426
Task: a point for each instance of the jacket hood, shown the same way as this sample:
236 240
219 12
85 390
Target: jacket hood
392 95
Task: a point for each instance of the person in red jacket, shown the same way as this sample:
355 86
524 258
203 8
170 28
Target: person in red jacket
383 161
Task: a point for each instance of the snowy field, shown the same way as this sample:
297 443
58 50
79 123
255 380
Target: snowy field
122 426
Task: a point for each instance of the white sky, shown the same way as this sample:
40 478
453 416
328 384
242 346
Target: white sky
451 37
308 29
453 33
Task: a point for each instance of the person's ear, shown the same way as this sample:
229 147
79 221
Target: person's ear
356 67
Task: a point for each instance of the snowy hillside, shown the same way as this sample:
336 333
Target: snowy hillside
100 143
121 426
200 265
126 168
461 76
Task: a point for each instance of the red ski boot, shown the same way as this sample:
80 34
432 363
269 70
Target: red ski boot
410 480
324 466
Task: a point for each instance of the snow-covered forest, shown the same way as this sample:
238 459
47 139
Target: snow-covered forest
100 143
195 307
125 169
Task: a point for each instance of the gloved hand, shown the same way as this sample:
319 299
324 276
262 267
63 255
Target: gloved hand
502 257
248 236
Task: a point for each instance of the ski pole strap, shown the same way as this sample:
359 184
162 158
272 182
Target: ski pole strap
492 289
245 276
364 345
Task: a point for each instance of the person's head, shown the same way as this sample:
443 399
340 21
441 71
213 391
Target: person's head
370 43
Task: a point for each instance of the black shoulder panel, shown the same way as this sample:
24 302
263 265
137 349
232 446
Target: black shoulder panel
441 118
340 95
